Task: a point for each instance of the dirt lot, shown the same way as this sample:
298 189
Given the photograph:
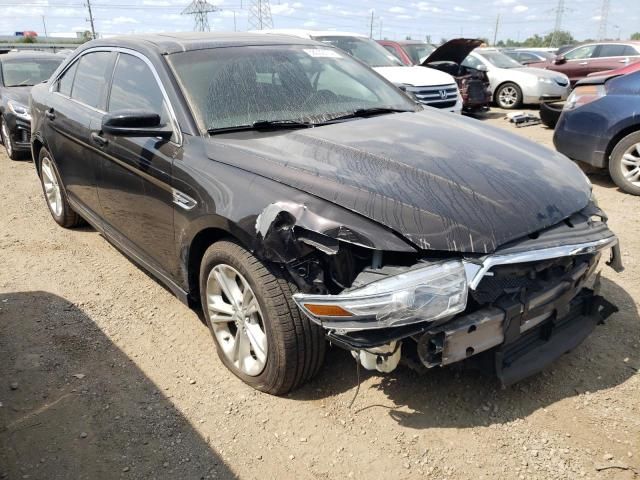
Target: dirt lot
104 374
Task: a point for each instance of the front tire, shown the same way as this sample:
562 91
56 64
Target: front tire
624 164
12 153
508 96
260 334
55 193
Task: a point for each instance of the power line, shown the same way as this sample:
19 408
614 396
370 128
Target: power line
604 18
200 10
260 15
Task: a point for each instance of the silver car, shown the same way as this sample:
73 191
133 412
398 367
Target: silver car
513 84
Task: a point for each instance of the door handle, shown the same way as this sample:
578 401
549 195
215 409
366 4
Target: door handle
50 114
98 139
626 60
584 63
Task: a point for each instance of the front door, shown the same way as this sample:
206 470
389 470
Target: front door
134 183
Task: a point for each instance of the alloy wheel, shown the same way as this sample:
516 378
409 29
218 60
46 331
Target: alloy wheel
236 319
508 96
52 189
630 165
5 138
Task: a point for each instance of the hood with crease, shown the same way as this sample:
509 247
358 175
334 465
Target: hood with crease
440 181
18 94
455 50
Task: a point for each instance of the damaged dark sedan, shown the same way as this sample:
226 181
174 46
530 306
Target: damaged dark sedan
298 197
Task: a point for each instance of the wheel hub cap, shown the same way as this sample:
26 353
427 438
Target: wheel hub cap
631 165
236 319
52 189
508 96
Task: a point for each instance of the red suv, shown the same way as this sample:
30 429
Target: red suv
580 61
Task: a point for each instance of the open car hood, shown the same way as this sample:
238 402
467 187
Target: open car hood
455 50
440 181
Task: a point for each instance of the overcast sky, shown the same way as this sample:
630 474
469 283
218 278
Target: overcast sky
392 19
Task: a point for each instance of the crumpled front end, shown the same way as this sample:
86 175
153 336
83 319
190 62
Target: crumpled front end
511 312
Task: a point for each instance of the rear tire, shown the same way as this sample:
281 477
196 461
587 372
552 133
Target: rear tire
54 192
12 153
295 347
624 164
508 96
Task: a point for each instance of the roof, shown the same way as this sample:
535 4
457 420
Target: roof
301 33
28 54
168 43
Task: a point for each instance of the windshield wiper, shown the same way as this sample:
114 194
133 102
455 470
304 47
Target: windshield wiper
263 125
369 112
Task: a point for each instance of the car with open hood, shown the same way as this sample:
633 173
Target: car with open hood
513 84
298 198
472 82
434 89
19 71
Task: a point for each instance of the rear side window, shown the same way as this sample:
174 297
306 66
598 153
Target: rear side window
630 51
89 86
612 50
135 87
66 81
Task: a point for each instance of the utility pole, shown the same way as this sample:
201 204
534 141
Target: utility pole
234 21
371 27
380 36
604 19
93 28
495 32
260 15
45 26
200 10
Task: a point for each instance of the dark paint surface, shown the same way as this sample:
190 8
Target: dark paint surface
394 183
443 182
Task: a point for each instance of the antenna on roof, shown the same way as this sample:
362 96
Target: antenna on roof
200 10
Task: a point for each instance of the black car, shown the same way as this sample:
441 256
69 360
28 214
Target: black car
19 71
297 196
600 126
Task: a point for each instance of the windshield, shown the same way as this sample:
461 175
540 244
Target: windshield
366 50
238 86
500 60
28 72
418 52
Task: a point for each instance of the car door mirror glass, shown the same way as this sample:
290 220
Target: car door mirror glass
135 123
559 60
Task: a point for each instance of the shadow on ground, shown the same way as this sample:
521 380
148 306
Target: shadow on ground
75 406
455 397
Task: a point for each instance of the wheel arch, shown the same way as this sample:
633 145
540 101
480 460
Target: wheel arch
616 139
501 84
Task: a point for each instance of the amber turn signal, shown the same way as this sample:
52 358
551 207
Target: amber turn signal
327 310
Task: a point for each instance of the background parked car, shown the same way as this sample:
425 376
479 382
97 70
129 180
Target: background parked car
632 67
526 57
513 84
430 87
580 61
473 83
600 126
18 73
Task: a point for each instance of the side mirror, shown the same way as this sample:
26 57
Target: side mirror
135 123
559 60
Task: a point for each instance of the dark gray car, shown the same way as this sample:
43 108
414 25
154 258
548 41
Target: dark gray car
297 196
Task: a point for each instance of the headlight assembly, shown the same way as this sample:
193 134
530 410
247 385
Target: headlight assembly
20 110
545 80
422 294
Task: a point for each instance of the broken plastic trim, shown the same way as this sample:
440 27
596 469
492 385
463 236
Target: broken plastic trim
476 271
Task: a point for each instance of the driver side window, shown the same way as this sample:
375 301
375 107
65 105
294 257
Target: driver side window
581 53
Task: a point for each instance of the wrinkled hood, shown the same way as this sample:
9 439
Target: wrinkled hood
415 76
455 50
441 181
18 94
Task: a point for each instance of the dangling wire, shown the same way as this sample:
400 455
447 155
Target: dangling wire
358 379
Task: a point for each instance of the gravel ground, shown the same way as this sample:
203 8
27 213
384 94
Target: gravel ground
104 374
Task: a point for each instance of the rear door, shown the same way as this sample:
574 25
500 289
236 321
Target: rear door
78 99
134 184
610 56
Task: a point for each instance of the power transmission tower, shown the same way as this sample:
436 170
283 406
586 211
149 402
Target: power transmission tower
560 9
604 19
93 29
495 32
260 15
200 10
